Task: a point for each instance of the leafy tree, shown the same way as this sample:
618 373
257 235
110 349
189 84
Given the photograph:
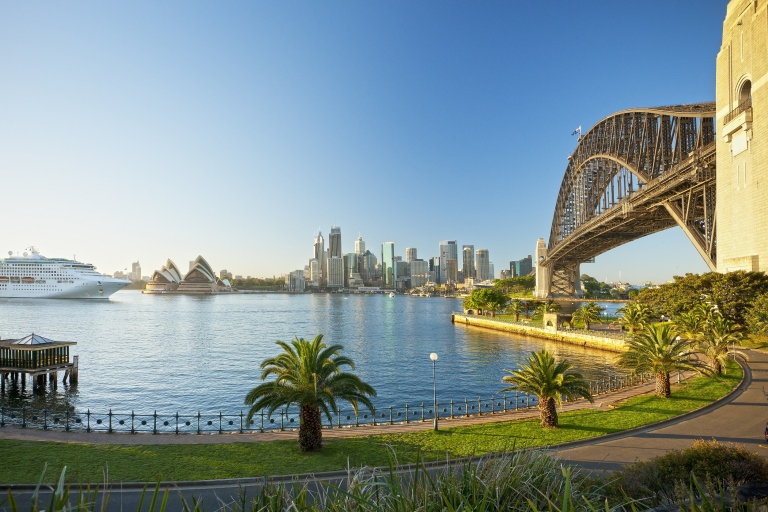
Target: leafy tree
690 325
634 316
515 308
632 293
733 293
590 285
515 285
550 381
308 374
716 340
756 315
660 350
486 299
547 307
588 313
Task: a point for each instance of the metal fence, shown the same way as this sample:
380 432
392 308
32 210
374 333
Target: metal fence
285 419
604 333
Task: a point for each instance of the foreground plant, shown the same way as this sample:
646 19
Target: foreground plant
634 316
659 349
550 381
309 374
718 340
587 314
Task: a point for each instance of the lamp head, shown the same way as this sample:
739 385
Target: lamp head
433 356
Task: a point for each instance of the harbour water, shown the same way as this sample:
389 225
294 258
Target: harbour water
189 353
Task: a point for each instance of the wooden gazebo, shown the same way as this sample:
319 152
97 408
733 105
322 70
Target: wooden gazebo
37 357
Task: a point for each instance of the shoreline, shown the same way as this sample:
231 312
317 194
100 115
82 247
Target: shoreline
571 337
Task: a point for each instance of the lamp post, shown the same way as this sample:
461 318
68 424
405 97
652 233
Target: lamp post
433 357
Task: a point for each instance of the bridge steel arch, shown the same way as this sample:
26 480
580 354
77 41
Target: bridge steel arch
634 173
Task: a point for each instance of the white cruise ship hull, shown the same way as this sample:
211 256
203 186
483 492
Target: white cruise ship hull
77 290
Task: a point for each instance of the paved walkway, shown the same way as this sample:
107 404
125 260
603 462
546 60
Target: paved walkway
32 434
740 419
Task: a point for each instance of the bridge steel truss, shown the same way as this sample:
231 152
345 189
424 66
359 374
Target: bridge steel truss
634 173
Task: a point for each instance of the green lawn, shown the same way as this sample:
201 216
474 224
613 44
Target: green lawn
23 461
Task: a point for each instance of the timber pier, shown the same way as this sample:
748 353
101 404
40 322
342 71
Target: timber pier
39 359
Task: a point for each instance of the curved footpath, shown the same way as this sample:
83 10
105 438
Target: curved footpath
739 418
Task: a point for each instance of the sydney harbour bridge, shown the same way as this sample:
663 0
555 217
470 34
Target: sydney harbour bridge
634 173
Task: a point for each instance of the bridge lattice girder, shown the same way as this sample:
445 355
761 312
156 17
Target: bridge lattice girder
635 173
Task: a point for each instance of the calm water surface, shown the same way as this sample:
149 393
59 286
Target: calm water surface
168 353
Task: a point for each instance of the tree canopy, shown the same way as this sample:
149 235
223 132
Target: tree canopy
486 299
515 285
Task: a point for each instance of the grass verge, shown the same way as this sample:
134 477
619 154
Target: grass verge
23 461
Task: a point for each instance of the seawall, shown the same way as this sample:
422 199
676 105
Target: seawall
572 337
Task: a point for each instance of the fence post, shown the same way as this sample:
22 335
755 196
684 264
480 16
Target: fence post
493 405
338 418
422 412
23 417
220 418
282 420
451 408
154 426
198 422
527 401
262 420
517 405
390 414
479 407
505 402
132 416
88 415
45 418
406 413
466 408
177 422
66 427
241 421
110 421
374 416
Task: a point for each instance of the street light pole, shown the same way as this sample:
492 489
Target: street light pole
433 357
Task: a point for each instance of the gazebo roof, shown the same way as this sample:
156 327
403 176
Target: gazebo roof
34 342
33 339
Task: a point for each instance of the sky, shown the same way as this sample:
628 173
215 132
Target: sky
235 130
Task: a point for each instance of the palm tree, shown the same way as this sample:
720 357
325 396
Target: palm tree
587 314
308 374
547 307
660 350
690 325
634 316
515 308
550 381
718 335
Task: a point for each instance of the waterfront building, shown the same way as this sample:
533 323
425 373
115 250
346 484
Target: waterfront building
201 279
434 267
505 274
388 264
350 267
468 261
410 254
367 264
402 278
482 265
491 271
334 242
521 267
355 281
359 246
314 273
320 256
451 271
135 271
166 279
294 281
448 251
335 272
419 271
38 357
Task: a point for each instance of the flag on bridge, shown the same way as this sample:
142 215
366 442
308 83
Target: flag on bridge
577 130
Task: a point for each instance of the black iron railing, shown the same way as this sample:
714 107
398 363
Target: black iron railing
285 419
741 107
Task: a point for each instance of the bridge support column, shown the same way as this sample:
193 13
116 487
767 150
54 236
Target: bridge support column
543 271
564 279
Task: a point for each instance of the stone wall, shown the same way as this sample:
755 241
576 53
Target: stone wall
572 337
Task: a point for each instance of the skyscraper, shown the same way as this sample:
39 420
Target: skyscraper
419 270
482 265
521 267
448 251
359 246
410 254
335 272
350 267
468 261
491 271
320 256
334 242
135 271
314 272
451 271
388 264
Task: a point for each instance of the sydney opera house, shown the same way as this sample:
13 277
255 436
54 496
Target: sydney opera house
199 280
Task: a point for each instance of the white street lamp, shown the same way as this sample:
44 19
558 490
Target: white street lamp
433 357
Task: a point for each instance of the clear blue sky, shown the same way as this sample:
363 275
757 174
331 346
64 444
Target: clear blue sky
148 130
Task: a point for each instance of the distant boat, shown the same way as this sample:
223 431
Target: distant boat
391 294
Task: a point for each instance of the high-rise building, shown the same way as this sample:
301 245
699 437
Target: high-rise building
359 246
367 266
350 267
468 261
402 278
419 270
482 265
434 267
334 242
314 273
135 271
451 271
448 251
410 254
521 267
491 271
335 272
388 264
294 281
320 256
223 274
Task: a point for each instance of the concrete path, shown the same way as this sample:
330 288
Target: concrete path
740 419
33 434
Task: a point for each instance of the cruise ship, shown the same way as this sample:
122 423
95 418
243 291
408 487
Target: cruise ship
33 276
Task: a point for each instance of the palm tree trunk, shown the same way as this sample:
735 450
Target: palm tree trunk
548 411
717 366
662 385
310 428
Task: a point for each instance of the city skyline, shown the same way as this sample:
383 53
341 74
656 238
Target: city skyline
152 114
